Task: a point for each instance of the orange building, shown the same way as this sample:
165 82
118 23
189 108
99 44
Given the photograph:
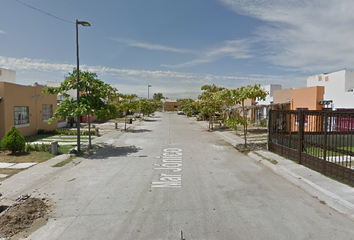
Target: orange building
306 98
26 108
300 99
171 105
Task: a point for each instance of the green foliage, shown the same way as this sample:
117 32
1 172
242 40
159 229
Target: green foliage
126 103
65 132
38 147
234 120
158 96
148 106
96 97
209 101
187 105
13 141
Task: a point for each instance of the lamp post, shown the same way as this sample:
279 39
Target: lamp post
148 90
86 24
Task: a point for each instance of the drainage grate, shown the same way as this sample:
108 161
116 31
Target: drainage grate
143 156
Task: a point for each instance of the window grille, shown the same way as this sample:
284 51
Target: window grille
21 115
47 111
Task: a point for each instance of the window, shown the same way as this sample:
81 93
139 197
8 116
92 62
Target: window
21 115
47 112
175 107
168 106
327 79
319 78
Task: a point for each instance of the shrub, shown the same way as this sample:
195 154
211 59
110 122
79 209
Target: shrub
38 147
13 141
65 132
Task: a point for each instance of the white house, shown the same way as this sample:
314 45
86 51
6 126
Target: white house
262 113
269 88
7 75
339 87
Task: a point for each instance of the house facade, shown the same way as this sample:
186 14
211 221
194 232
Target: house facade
26 108
170 105
339 87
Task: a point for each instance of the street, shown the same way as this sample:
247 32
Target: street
168 175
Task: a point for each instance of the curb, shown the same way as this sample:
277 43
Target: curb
323 195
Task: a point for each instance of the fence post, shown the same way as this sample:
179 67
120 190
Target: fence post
325 142
270 127
301 135
54 148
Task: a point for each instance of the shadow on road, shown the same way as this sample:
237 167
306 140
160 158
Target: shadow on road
151 120
105 151
137 130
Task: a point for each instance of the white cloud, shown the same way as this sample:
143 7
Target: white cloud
311 36
149 46
2 32
236 49
172 84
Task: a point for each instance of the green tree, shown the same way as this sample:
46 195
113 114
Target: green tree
158 96
13 141
187 105
209 102
126 104
238 96
97 98
148 106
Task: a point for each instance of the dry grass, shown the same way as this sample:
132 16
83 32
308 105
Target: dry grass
7 157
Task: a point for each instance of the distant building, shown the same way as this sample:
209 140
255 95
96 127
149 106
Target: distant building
262 107
339 87
7 75
170 105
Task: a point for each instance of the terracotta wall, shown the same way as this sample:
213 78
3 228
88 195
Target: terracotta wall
307 98
14 95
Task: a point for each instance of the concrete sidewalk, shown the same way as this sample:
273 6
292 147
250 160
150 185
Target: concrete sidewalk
27 181
328 191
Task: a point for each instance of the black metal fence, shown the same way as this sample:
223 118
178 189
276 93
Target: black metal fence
320 140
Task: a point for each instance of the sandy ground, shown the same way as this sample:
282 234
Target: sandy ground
22 218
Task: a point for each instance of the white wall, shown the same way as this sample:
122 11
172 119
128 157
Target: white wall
269 88
336 88
72 92
7 75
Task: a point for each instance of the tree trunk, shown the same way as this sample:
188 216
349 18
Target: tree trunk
89 128
209 120
125 122
245 126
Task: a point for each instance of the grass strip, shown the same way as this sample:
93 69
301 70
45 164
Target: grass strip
63 163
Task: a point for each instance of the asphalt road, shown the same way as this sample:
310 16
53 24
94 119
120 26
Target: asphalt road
170 175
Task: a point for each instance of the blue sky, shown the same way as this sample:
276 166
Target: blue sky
178 45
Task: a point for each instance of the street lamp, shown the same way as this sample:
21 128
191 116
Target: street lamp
148 90
86 24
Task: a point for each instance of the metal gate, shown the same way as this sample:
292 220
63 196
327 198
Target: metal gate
320 140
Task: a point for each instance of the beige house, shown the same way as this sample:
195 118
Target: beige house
26 108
